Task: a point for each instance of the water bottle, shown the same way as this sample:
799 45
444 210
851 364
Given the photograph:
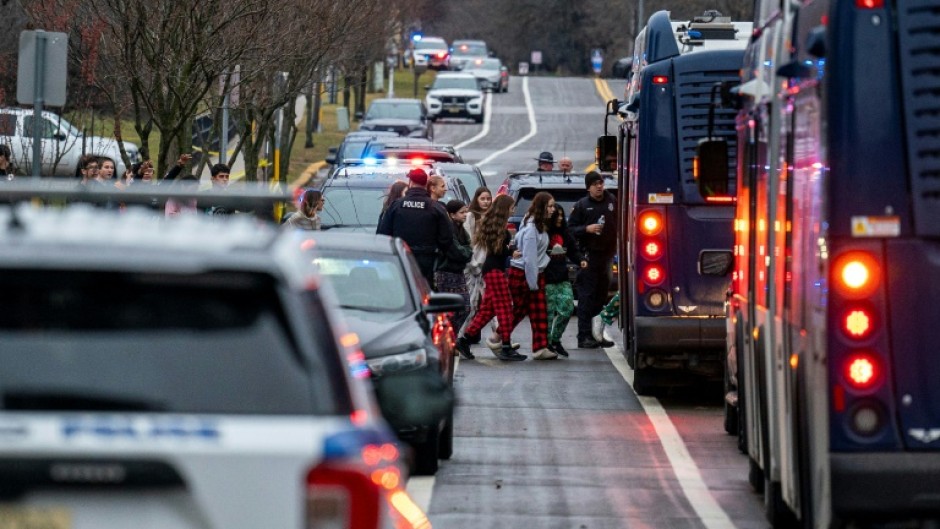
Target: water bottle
601 222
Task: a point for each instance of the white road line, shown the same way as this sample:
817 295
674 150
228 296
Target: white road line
687 472
486 123
420 488
533 127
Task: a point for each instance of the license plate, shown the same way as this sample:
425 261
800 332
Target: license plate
12 517
454 110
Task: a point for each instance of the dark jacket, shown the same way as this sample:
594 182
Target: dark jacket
557 269
420 221
588 211
456 259
499 260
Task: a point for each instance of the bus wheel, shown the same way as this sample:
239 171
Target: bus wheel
755 476
644 381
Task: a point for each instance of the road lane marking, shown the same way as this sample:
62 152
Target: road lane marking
420 489
486 123
533 127
687 472
603 89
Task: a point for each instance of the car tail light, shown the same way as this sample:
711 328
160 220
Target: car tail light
359 491
862 371
869 4
660 79
651 223
441 55
856 275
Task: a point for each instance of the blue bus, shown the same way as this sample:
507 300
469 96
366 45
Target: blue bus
676 242
831 322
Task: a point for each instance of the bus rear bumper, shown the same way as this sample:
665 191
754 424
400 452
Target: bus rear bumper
906 484
675 333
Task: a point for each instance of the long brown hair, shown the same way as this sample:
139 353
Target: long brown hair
491 233
308 206
474 206
394 193
538 210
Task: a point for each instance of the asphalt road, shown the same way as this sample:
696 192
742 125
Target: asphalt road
567 443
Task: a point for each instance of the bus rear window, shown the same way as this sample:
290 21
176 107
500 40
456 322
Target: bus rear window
108 341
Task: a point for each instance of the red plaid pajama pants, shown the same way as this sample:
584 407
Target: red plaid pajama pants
497 302
529 303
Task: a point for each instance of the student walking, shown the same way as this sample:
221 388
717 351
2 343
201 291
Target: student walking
448 272
493 236
558 292
526 274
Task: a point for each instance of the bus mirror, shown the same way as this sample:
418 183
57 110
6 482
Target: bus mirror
710 167
606 155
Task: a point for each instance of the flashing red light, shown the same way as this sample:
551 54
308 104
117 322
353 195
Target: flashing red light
858 323
720 200
856 275
652 250
417 161
862 371
660 79
869 4
441 55
654 275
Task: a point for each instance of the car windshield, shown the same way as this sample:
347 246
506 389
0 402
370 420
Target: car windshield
351 206
464 83
366 283
410 111
425 44
563 197
467 176
469 50
352 149
215 342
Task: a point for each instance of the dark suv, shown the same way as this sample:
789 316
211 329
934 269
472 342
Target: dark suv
406 117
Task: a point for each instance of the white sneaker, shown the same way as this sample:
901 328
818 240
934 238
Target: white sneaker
496 344
597 328
545 354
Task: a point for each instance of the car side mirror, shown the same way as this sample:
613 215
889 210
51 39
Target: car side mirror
358 116
606 153
710 167
331 159
443 302
332 150
61 136
427 87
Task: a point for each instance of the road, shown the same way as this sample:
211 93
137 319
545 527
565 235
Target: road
567 443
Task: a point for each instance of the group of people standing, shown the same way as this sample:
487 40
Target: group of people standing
507 274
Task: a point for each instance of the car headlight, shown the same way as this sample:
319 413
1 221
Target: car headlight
398 363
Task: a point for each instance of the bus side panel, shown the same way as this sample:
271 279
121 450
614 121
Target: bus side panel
694 230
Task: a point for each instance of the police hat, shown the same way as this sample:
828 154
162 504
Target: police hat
546 157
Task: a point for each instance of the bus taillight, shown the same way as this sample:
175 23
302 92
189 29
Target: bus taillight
652 250
856 275
651 223
869 4
862 371
654 275
858 322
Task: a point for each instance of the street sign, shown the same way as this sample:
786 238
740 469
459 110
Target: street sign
536 57
42 64
597 60
523 68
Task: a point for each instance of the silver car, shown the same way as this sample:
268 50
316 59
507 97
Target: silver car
181 373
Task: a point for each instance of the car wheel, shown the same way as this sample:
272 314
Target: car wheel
447 438
478 119
426 454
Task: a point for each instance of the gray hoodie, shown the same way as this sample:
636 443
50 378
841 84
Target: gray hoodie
534 248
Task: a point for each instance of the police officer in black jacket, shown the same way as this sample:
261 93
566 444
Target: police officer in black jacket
420 221
593 223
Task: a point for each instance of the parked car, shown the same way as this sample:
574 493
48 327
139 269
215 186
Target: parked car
490 73
406 117
469 175
463 51
194 372
353 196
354 144
455 95
402 330
62 144
431 52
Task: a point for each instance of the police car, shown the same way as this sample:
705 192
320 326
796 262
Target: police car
187 372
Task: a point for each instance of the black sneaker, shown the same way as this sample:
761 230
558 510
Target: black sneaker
606 343
507 354
588 343
463 347
558 349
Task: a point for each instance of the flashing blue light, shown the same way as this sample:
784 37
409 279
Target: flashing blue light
349 444
370 161
768 63
695 34
416 37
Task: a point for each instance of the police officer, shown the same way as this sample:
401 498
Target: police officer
546 162
593 224
420 221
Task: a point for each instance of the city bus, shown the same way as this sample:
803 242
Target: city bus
675 240
837 258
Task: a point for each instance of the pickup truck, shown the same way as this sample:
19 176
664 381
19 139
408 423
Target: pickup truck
62 146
